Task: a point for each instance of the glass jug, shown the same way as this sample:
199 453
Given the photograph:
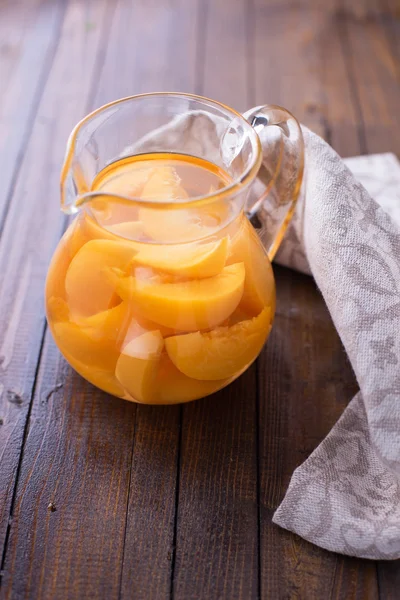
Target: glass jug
160 290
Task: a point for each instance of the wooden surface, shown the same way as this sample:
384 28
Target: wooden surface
100 498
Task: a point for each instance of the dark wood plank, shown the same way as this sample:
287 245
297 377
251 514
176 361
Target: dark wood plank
217 541
305 380
223 57
68 527
153 48
217 529
389 579
163 57
390 15
27 243
375 73
71 457
16 16
149 482
29 34
299 64
373 45
148 551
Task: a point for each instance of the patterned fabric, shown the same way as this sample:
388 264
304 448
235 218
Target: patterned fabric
352 248
346 496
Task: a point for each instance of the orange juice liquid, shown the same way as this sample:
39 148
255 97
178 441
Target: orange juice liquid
155 293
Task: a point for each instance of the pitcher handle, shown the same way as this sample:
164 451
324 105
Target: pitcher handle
280 175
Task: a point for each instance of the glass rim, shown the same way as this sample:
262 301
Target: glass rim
238 184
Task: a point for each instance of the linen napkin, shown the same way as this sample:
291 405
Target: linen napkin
351 245
346 496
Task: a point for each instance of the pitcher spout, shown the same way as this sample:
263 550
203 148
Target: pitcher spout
73 183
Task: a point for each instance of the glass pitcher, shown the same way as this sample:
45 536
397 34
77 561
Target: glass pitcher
160 290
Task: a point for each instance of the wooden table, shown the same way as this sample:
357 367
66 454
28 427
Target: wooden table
100 498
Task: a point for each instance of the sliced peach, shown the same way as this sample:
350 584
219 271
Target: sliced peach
174 387
163 184
137 366
94 341
80 344
186 305
221 353
111 324
86 229
83 230
195 261
128 180
139 325
131 230
57 309
104 380
55 281
88 289
175 225
259 285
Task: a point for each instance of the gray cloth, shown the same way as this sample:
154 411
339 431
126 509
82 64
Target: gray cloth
346 496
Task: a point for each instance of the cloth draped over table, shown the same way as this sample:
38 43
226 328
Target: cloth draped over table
346 496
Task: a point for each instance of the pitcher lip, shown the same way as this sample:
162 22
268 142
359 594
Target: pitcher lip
239 183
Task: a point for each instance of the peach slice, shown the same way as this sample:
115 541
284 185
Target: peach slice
110 324
131 230
55 281
57 309
94 341
140 325
259 285
89 291
174 387
194 261
172 225
83 230
137 366
128 180
186 305
80 344
182 224
221 353
163 184
104 380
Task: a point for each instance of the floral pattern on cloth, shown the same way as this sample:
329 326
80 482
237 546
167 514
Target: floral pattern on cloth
346 496
351 245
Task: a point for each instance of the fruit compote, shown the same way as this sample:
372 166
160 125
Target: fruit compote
155 294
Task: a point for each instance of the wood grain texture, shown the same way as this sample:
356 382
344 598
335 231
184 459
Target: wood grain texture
141 553
374 67
153 47
29 34
149 538
68 526
31 231
223 58
389 579
375 37
16 16
217 525
165 37
299 63
305 380
122 501
217 539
